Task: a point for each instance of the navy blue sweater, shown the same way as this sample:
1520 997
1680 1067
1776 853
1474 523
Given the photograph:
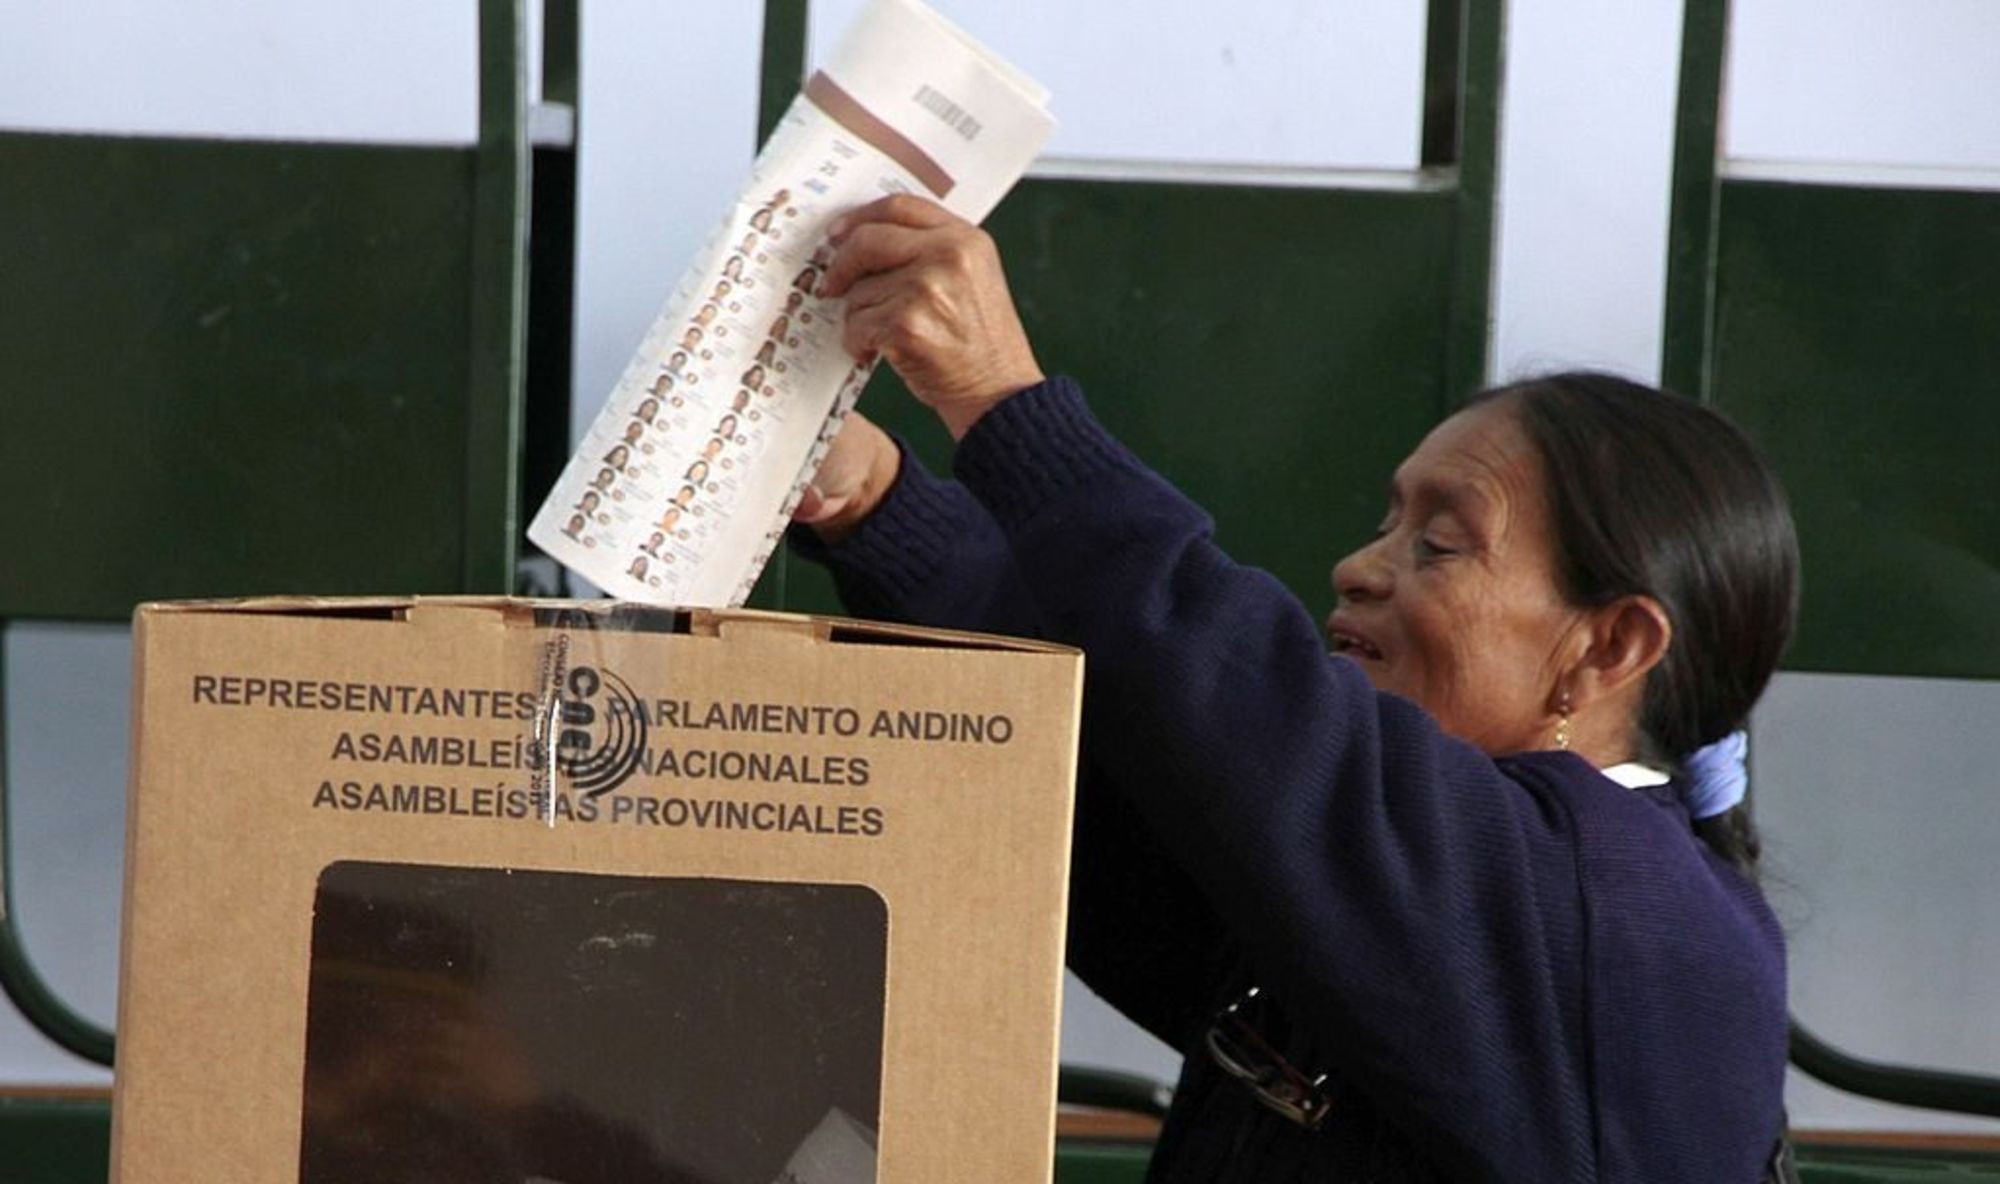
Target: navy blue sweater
1513 969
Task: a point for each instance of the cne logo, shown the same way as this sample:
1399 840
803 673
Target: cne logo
600 730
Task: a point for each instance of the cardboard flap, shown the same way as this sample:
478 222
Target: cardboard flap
613 615
387 607
752 625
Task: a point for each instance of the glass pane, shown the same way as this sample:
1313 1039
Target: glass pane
1288 83
68 692
1858 82
1880 821
362 70
504 1024
1096 1034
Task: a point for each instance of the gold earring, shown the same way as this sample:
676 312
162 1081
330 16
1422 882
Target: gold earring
1562 724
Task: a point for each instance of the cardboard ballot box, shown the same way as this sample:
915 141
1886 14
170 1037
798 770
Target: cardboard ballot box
497 890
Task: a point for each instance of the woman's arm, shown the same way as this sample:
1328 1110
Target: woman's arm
913 548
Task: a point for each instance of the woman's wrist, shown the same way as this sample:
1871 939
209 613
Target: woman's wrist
958 416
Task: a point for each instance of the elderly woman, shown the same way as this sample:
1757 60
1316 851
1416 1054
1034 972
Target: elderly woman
1468 898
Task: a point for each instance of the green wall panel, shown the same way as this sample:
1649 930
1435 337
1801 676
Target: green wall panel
1857 337
1275 352
1091 1161
232 368
47 1139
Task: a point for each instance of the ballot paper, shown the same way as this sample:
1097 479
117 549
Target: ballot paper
683 485
840 1150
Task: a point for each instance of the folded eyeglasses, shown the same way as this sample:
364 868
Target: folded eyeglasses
1242 1052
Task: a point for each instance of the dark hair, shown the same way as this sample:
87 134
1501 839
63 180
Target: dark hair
1654 494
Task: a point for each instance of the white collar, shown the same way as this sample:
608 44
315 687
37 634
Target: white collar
1633 775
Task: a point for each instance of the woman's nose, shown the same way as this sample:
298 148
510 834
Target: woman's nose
1363 575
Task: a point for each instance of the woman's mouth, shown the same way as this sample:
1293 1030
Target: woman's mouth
1345 640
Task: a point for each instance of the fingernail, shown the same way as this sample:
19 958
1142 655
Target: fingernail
838 230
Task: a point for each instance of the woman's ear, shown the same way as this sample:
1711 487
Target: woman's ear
1626 639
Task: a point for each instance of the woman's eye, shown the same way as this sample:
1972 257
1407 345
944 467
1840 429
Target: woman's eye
1430 549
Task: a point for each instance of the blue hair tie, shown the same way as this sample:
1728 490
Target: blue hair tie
1718 776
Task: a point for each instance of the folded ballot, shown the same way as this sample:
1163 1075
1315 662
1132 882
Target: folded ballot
683 485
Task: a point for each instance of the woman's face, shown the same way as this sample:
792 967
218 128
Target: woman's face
1455 605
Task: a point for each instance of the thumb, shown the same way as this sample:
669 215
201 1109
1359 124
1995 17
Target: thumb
815 506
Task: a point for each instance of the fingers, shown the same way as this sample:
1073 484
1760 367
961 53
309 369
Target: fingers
813 506
868 314
876 328
908 320
872 248
899 209
899 280
925 292
851 482
890 233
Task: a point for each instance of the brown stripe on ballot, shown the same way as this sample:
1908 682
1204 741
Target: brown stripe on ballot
845 111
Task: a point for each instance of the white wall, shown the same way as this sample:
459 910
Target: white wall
1896 964
1915 84
1586 158
1285 83
650 182
357 70
1876 800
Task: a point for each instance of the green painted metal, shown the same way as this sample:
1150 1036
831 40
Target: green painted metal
783 66
1482 69
1111 1089
561 56
241 367
496 301
1691 233
1893 1165
54 1140
1094 1161
233 368
781 72
1105 1162
1857 337
1963 1093
1853 332
1444 53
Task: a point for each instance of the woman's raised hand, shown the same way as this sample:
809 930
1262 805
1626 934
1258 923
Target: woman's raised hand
857 472
925 292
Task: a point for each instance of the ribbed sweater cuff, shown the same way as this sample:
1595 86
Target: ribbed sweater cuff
899 548
1034 447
